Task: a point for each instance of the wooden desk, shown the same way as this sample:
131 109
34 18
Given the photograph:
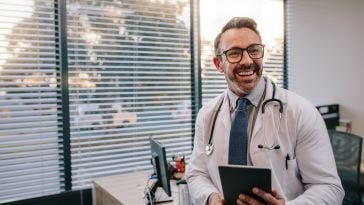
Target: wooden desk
126 189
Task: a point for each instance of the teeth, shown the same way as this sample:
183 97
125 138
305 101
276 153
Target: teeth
246 72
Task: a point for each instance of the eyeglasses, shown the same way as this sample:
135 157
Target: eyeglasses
234 55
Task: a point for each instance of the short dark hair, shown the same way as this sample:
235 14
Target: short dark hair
236 23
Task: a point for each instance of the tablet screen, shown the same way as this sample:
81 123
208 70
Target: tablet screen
237 179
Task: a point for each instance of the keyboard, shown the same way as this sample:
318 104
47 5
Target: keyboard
183 195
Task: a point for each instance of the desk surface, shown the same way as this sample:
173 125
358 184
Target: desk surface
125 189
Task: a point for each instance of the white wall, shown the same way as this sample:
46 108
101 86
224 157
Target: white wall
326 54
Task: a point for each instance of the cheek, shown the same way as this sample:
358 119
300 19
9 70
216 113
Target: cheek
224 68
260 64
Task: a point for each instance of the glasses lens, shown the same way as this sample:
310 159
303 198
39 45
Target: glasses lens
255 51
234 55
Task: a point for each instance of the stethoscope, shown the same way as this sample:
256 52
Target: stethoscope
209 148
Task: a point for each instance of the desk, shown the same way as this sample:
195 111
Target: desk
125 189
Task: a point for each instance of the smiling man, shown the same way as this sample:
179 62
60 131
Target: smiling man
256 123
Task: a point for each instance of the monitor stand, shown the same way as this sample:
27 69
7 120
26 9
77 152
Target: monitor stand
155 195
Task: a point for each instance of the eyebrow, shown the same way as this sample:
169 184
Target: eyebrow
241 47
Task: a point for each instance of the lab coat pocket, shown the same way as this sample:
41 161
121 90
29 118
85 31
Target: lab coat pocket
292 180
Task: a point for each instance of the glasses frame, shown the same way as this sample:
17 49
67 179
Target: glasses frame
242 52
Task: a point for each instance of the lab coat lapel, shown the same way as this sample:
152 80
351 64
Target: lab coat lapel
259 120
258 125
210 114
224 131
226 119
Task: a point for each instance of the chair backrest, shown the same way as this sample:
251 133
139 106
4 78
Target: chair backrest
347 152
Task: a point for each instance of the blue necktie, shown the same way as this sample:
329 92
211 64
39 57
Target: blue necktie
239 134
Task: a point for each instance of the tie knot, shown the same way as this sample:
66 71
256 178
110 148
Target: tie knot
242 104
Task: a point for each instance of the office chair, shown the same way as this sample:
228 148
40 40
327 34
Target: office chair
347 152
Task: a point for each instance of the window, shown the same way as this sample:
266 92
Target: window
31 156
214 14
129 78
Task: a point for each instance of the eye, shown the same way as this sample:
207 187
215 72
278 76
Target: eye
233 53
255 50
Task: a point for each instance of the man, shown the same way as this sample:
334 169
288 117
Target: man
295 146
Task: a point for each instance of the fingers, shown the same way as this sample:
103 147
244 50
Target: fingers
247 200
276 194
269 198
216 199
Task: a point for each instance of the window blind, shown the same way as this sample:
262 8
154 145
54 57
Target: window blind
130 79
30 141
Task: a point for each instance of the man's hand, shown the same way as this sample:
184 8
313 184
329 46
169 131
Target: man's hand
216 199
270 199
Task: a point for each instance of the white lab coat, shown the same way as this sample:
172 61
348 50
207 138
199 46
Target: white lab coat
311 177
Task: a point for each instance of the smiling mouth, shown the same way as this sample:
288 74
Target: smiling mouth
246 72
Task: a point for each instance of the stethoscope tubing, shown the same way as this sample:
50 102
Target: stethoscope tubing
209 148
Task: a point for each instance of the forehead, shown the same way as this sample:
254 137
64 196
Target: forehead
241 37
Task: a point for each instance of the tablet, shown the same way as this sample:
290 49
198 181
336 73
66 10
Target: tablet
237 179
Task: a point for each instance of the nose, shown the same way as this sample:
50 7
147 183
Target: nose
245 59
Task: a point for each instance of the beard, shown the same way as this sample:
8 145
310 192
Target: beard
242 87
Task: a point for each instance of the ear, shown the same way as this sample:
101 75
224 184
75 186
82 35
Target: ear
217 64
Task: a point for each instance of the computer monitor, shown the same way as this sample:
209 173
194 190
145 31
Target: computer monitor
161 172
331 115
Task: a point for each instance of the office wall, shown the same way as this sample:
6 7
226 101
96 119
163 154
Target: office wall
326 54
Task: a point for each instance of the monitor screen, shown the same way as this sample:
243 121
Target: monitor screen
330 114
160 165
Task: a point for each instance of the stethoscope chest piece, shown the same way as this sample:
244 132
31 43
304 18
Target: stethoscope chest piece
209 149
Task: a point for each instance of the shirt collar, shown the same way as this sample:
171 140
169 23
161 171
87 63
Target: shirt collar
254 96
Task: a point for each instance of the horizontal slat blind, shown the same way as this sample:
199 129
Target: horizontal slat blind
213 82
130 78
30 144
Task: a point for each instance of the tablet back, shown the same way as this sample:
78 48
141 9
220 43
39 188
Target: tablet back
236 179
